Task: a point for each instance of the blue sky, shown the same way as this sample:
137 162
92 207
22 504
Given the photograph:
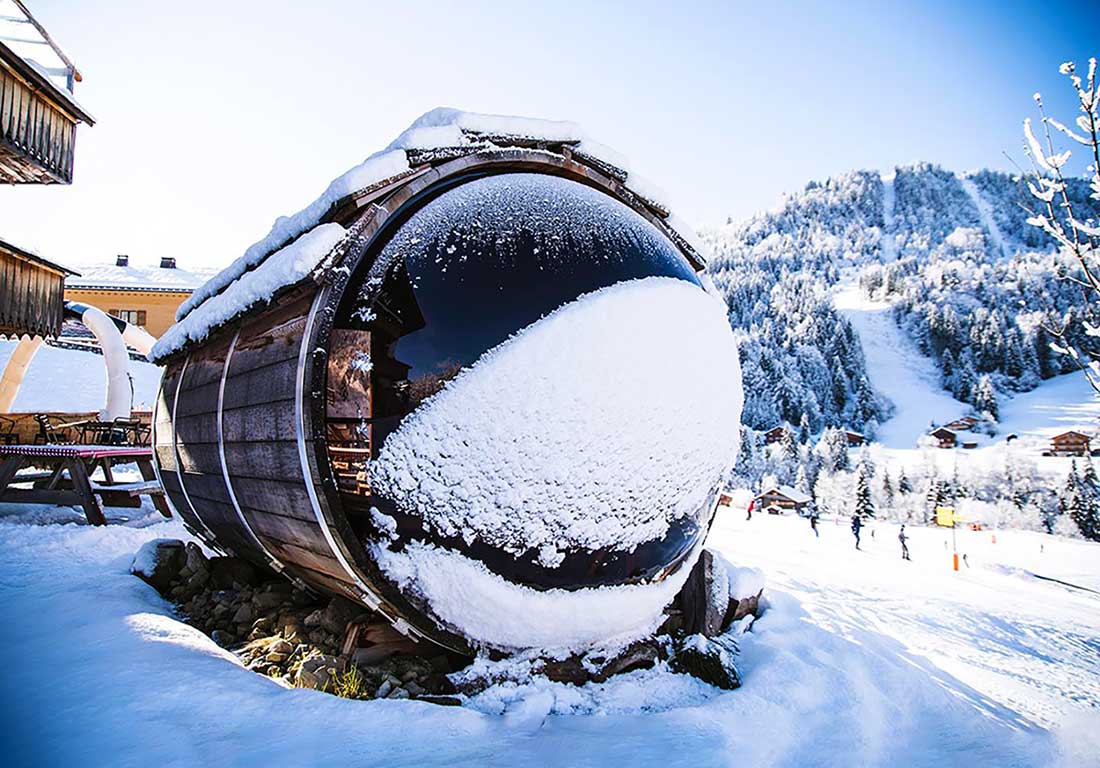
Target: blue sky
211 125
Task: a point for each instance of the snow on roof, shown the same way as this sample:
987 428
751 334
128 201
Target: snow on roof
23 36
439 129
795 495
286 266
139 278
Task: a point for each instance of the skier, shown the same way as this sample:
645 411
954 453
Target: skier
903 539
813 524
857 524
751 505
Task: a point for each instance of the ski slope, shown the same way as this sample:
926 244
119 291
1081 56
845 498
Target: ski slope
860 659
986 215
896 369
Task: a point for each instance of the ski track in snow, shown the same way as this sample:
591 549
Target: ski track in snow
896 369
986 214
860 659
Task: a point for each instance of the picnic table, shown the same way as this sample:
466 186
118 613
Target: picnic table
67 479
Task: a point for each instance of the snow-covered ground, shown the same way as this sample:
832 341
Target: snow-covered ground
986 214
860 659
73 381
896 369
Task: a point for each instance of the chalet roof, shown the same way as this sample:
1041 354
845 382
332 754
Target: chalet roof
28 47
140 278
1071 433
437 136
795 495
942 432
30 255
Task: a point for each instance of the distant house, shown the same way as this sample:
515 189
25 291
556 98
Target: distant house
782 498
775 434
963 424
855 439
38 112
1069 444
145 296
946 437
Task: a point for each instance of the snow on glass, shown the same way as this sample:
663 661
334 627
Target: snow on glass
595 427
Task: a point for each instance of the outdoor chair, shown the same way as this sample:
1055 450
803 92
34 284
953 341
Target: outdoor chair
48 433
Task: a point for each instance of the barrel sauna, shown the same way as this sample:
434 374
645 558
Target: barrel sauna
321 430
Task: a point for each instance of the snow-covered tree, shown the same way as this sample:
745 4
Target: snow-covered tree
864 504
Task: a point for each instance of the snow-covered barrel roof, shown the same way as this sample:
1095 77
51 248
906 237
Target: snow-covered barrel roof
299 246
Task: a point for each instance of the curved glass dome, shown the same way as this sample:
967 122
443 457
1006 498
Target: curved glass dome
464 280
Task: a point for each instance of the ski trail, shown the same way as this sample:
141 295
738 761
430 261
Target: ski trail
986 215
888 242
897 369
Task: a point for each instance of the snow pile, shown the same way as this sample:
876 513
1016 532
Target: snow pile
145 561
439 128
284 267
550 443
485 608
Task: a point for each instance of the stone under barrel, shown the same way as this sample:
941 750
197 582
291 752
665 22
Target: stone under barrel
485 393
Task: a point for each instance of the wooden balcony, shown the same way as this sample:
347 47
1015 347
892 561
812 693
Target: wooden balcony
37 125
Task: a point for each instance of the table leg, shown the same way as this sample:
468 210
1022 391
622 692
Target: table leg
83 488
108 477
55 478
8 468
145 466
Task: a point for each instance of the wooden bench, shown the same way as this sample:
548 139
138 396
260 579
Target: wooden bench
67 479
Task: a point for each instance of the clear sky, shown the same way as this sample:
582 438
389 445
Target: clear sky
214 118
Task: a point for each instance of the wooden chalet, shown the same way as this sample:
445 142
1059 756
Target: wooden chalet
32 292
946 438
963 424
855 439
1069 444
38 112
775 434
782 498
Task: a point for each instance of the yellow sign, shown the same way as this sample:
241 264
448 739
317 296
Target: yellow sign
946 516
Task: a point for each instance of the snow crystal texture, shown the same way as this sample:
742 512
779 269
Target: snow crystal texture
594 427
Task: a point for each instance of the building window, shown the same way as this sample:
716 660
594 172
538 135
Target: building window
132 316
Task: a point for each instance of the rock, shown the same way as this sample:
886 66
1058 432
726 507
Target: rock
384 689
709 659
196 560
281 646
276 658
373 654
227 571
338 614
265 601
314 619
443 701
640 655
243 614
223 638
704 599
317 672
440 663
398 693
159 562
436 683
413 688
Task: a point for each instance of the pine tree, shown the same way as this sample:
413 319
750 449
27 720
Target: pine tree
903 482
985 398
865 505
887 488
804 429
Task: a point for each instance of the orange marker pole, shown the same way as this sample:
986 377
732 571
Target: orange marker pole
955 557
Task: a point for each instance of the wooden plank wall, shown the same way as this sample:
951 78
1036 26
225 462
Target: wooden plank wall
36 138
31 297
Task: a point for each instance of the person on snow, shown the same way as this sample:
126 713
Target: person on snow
857 525
751 505
903 538
813 524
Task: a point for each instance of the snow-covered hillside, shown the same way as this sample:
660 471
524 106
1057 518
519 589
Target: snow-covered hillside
860 659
